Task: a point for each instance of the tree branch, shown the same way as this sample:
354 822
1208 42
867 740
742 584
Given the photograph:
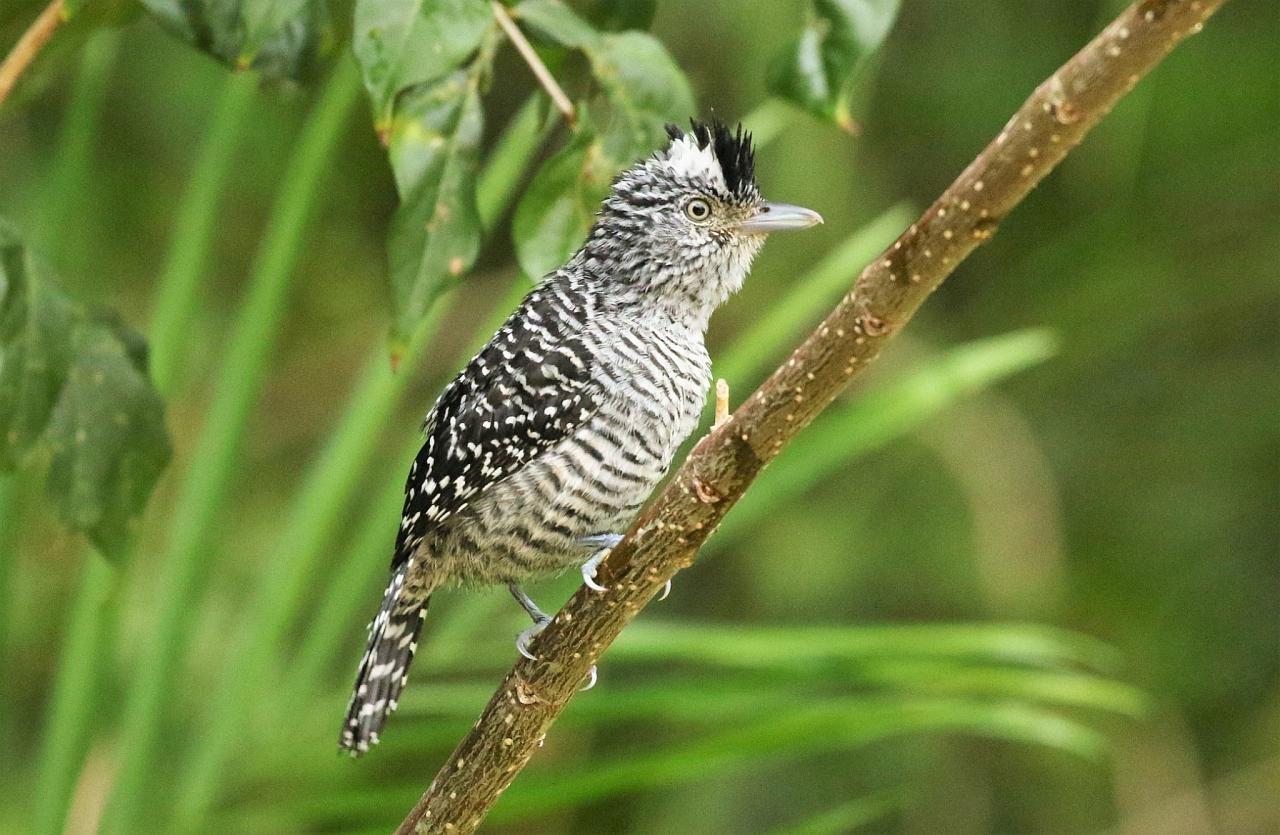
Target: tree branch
28 47
540 71
668 534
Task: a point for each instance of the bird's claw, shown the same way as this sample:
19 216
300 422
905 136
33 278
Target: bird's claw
589 567
526 637
666 590
589 571
591 680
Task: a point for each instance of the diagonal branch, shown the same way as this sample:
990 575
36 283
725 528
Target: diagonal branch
667 536
29 46
540 71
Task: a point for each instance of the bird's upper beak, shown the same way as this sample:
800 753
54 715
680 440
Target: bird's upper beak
779 217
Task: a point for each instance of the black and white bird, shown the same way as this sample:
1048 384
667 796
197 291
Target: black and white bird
543 449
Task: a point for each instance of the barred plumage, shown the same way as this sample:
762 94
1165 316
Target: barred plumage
553 436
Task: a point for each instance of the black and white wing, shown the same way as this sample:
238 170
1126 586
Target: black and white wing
529 388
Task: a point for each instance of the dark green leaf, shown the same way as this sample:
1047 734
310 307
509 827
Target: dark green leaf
554 20
645 88
818 70
280 38
75 387
616 15
556 212
435 235
404 43
35 350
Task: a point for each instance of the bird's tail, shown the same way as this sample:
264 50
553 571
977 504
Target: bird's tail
384 669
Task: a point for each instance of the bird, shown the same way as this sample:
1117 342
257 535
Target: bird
548 442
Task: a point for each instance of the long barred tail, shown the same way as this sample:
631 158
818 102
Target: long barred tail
384 669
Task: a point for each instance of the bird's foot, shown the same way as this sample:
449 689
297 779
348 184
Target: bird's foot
526 637
540 621
605 543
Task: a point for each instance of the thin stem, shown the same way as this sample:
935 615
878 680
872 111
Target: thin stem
305 538
78 136
177 294
78 687
9 527
28 47
531 58
509 160
208 480
79 679
667 536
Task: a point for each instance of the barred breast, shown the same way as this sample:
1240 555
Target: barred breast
655 378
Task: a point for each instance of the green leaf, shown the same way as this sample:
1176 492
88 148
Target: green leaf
75 387
616 15
404 43
557 209
818 70
643 89
435 234
555 21
279 38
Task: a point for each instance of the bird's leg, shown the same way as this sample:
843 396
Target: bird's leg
540 621
606 542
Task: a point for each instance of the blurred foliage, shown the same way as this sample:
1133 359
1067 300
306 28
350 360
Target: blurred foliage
74 387
906 592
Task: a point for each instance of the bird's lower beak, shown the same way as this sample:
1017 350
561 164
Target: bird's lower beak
779 217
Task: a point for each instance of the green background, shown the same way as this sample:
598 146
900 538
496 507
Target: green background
1127 488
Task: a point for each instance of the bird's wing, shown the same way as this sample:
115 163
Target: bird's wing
530 388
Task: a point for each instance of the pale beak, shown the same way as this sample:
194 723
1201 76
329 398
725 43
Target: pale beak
779 217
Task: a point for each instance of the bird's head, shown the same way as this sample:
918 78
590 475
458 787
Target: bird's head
683 225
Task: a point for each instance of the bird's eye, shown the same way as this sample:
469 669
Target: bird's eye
697 209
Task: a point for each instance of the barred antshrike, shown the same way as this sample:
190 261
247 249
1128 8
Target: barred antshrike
546 445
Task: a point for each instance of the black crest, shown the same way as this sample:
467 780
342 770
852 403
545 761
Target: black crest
733 150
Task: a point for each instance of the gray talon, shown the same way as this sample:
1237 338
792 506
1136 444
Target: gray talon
526 637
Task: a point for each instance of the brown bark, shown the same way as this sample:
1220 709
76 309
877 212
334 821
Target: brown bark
668 534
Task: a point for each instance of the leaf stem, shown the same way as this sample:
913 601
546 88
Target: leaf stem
28 47
531 58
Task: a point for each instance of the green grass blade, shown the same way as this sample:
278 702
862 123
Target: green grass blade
848 816
78 135
70 718
509 160
802 646
880 416
755 349
347 590
69 721
838 725
279 593
177 293
208 479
